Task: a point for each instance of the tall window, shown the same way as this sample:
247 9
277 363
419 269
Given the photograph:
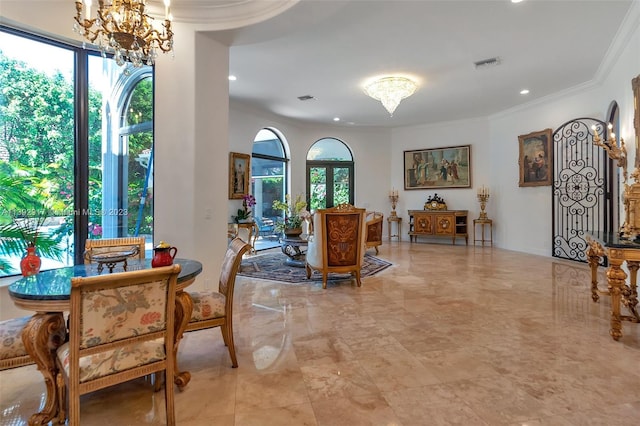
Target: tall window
329 174
268 173
76 146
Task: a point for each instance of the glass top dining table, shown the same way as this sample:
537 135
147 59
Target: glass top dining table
48 294
48 287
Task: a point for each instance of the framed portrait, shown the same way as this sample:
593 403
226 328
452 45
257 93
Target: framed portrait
239 169
438 168
536 158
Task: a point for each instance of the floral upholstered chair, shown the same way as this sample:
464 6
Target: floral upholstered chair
121 327
215 308
12 350
374 230
337 243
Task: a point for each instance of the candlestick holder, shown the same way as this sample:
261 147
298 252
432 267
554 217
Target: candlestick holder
483 198
393 197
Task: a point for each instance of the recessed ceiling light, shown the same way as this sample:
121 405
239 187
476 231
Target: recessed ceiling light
524 92
516 1
336 118
232 78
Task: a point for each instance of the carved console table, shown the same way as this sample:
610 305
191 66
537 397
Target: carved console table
438 223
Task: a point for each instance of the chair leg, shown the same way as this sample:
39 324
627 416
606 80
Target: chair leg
358 279
228 327
169 395
308 269
324 279
376 247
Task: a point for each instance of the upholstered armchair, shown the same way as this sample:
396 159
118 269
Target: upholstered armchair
337 242
374 230
121 327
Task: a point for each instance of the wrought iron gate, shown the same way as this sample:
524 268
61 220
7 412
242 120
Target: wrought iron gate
583 184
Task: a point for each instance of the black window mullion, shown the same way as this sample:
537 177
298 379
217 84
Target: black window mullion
81 159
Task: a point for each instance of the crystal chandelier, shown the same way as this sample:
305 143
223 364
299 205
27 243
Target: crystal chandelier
390 91
122 27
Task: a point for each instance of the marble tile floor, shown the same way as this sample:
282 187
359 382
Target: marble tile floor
449 335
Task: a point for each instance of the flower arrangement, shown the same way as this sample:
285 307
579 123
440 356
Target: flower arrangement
294 212
244 213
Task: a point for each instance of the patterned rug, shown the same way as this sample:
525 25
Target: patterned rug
272 267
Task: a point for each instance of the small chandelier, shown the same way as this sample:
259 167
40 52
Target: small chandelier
123 28
390 91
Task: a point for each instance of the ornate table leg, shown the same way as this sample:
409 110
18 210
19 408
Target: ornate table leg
184 308
594 253
630 299
42 335
616 279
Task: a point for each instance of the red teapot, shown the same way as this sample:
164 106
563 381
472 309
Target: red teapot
163 255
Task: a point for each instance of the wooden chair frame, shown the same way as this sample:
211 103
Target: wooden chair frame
115 244
230 266
322 217
72 384
374 230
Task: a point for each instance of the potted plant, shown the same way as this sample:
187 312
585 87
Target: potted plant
295 212
244 214
21 218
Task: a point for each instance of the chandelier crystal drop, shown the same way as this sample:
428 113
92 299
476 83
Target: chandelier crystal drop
390 91
123 28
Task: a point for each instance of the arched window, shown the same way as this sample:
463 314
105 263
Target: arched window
81 143
268 173
329 174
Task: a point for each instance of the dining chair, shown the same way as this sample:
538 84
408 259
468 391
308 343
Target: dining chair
215 308
136 245
12 351
374 230
337 243
121 327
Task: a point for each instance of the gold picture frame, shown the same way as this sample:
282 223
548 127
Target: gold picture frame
438 168
239 175
536 158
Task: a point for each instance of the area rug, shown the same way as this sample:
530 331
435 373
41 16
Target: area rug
272 267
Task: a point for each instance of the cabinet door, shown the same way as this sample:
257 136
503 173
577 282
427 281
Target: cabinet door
445 224
422 224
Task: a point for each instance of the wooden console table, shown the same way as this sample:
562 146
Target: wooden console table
438 223
617 251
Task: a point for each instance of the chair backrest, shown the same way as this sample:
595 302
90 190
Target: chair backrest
109 245
374 227
230 266
341 232
121 309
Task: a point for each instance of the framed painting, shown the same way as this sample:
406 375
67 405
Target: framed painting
536 158
239 168
438 168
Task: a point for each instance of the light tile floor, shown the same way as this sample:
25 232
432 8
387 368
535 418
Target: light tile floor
446 336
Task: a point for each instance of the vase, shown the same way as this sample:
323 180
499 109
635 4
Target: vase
30 263
245 220
292 232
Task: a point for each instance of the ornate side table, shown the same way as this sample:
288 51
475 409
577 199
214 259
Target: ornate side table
398 222
483 223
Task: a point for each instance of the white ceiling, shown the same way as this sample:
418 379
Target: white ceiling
327 49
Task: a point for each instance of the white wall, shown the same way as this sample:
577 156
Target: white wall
370 148
522 216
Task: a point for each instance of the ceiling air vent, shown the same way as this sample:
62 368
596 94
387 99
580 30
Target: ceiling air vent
305 98
486 63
